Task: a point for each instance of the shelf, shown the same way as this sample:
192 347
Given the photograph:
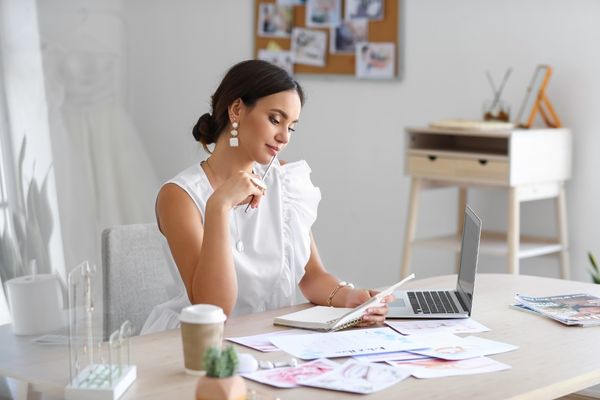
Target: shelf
464 154
461 132
494 243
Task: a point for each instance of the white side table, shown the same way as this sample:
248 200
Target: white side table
533 164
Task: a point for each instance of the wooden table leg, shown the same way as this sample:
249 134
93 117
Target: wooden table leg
513 231
411 223
460 216
563 237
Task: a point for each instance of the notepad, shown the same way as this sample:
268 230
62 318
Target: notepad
328 319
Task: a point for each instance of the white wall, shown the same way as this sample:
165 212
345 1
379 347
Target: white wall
351 132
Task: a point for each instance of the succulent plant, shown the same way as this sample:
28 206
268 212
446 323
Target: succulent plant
594 269
220 363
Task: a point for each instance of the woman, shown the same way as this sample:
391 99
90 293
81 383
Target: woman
240 242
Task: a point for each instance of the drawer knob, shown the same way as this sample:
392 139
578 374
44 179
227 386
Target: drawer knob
483 162
432 158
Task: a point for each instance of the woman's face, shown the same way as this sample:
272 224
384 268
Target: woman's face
265 128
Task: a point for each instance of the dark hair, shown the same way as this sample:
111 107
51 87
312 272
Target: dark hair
248 80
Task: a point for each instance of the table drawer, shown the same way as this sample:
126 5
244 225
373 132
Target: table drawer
457 168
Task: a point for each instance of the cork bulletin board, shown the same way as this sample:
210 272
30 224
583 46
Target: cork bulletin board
379 32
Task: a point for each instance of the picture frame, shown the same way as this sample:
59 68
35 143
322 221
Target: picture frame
536 101
343 38
309 46
370 9
323 13
275 20
375 60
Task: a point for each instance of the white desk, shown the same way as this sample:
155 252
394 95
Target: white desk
552 361
532 164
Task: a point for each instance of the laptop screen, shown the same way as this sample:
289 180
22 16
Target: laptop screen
468 257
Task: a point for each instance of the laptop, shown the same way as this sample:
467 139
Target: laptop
446 303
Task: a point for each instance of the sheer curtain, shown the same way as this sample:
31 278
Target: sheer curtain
72 161
6 250
103 174
29 221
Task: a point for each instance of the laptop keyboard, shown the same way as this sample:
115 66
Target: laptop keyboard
434 302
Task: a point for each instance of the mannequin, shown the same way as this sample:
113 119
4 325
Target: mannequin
103 174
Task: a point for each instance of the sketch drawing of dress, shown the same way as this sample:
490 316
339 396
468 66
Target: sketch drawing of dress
104 176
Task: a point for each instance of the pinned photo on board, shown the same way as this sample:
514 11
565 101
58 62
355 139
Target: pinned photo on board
323 13
309 46
275 20
291 2
370 9
375 60
282 59
345 36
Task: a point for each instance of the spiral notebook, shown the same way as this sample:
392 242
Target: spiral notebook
328 319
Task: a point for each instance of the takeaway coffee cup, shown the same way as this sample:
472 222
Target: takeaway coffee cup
201 328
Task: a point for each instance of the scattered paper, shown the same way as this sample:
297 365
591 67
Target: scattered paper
450 347
345 343
262 343
392 356
436 368
358 377
288 377
466 325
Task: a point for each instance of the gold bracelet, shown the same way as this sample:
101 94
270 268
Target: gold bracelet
335 290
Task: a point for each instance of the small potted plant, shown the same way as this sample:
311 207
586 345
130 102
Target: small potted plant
220 381
594 269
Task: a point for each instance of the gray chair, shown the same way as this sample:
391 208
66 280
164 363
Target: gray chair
135 275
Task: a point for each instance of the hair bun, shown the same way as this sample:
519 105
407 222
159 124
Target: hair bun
205 129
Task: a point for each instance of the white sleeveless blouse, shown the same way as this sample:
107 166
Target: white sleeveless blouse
275 238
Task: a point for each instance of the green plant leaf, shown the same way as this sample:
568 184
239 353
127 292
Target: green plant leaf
593 261
594 274
20 174
10 261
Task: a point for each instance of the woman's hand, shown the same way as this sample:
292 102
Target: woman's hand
375 314
241 188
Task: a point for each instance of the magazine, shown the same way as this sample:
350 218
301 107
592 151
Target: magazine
570 309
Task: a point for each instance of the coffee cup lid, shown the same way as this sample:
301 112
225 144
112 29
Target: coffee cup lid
202 314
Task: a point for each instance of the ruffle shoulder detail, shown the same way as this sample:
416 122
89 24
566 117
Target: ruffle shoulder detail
299 207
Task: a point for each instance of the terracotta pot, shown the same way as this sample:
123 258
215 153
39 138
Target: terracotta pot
232 388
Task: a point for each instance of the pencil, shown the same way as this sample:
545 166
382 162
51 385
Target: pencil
263 178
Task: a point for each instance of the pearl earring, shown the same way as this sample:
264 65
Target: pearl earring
233 140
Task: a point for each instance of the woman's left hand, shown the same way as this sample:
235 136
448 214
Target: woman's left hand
375 314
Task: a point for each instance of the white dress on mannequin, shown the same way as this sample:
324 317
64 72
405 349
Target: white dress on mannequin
103 174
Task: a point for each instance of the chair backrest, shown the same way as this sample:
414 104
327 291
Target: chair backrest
135 274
